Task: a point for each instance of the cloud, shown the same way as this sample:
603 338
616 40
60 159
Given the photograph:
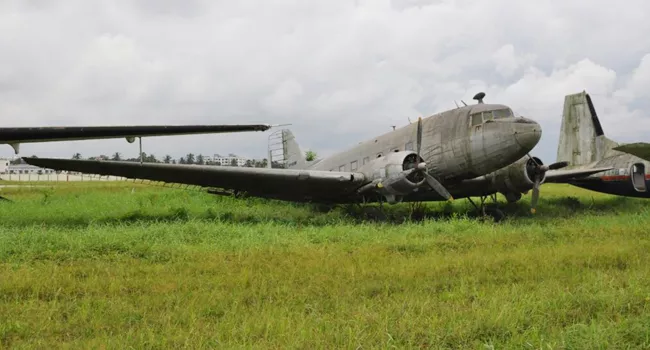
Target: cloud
338 71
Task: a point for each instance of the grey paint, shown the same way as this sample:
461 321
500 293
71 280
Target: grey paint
469 155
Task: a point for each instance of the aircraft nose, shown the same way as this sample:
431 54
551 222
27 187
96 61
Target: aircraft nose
527 133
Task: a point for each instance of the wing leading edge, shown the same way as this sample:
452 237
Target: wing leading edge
286 184
565 176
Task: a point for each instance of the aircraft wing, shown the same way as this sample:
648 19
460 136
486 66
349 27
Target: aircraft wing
564 176
288 184
638 149
16 136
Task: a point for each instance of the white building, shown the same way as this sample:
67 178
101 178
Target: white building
26 169
241 161
4 166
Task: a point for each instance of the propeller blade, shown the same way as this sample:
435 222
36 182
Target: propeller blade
419 137
436 186
533 159
535 196
558 165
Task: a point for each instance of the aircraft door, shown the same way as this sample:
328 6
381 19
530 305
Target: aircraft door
637 172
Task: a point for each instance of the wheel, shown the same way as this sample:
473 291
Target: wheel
513 197
323 208
495 213
374 214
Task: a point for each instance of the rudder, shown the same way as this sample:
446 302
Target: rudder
284 151
582 139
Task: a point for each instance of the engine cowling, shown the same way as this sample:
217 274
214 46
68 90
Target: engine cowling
516 178
392 176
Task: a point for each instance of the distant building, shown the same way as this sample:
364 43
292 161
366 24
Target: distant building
241 161
25 169
4 166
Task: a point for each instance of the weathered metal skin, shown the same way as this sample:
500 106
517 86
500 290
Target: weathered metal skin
458 151
453 149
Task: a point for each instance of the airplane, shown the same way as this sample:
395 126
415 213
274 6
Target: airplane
583 143
471 151
16 136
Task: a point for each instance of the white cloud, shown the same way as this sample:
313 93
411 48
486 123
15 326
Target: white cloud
338 71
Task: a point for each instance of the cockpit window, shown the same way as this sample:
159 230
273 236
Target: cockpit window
481 117
502 113
477 119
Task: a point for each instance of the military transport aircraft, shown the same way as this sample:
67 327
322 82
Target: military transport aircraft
475 150
16 136
584 144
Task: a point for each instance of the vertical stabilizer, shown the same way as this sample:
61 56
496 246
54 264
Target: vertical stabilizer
582 140
292 154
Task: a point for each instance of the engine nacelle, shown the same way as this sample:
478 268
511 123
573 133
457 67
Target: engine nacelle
516 178
391 176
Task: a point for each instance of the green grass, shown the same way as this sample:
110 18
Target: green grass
119 265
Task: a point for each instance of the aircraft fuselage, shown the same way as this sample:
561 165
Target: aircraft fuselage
458 144
628 178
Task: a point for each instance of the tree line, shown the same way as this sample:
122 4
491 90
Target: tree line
190 158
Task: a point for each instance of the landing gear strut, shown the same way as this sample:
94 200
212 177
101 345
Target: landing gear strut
488 209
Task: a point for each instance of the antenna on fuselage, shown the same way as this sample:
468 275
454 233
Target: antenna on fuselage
394 126
479 97
463 103
456 103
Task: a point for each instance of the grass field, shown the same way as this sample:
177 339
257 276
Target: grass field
120 265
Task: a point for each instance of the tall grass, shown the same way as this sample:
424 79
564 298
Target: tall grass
123 265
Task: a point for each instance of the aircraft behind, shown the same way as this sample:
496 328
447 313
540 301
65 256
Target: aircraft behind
584 145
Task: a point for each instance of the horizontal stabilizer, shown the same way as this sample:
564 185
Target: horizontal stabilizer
638 149
561 176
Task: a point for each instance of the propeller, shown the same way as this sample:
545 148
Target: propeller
422 168
538 170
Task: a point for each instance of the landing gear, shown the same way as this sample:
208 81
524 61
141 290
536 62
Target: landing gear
488 210
323 208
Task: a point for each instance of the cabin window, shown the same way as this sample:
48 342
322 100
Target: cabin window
342 167
353 166
477 119
366 160
409 146
487 116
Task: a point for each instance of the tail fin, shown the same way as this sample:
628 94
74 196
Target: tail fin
284 151
292 153
582 140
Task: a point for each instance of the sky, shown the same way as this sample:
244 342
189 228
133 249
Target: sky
339 71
